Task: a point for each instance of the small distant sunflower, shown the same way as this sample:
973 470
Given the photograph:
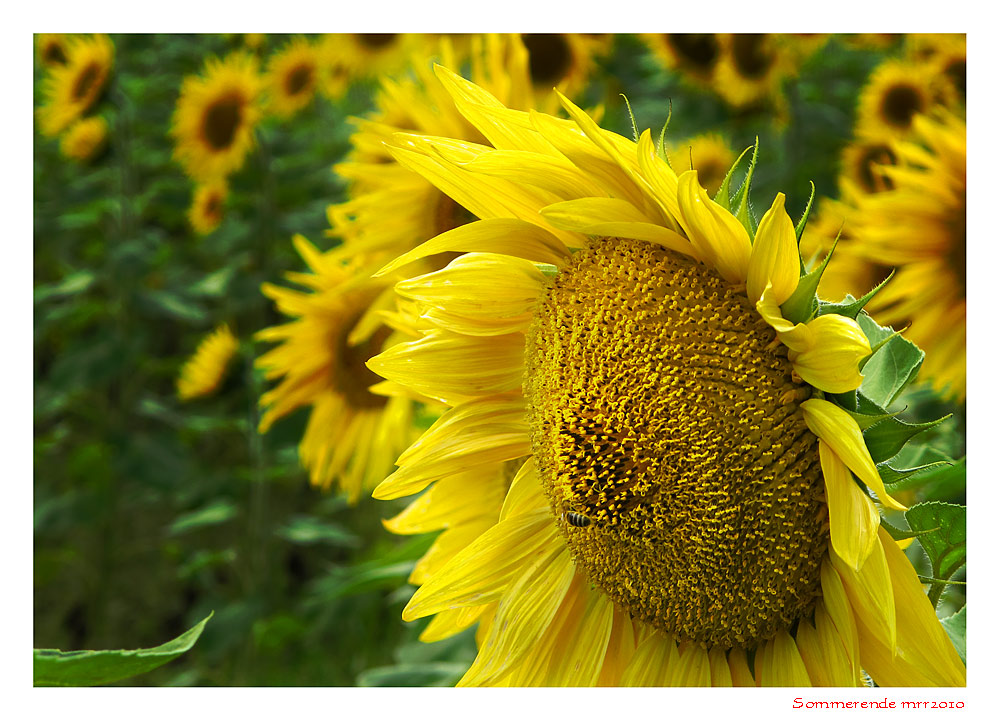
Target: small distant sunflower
871 41
687 492
52 48
292 78
368 55
353 435
208 206
709 154
84 139
215 116
918 227
751 69
204 371
72 88
695 54
895 93
862 158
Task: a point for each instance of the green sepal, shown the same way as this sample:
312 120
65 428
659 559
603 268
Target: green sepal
661 149
800 228
887 437
802 305
891 367
631 115
944 544
744 213
867 420
892 478
954 625
849 306
898 534
52 667
722 196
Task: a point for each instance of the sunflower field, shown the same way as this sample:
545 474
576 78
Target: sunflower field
500 360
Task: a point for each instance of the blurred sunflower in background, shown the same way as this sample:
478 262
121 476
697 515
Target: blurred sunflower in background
751 68
215 116
632 547
859 165
205 370
369 55
917 226
562 60
292 77
70 89
896 92
694 54
208 206
353 434
85 139
709 154
52 48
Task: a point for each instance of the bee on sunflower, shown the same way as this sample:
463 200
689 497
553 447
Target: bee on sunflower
691 502
215 116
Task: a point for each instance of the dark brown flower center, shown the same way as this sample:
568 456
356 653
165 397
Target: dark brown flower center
85 81
299 79
667 435
699 51
222 119
53 54
900 103
751 54
550 58
376 41
867 169
348 373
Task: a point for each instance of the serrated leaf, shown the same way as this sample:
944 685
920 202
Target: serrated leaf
801 226
945 546
850 306
886 438
722 196
743 211
53 667
898 534
954 625
895 478
803 303
892 367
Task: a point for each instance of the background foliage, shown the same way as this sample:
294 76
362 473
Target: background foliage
150 514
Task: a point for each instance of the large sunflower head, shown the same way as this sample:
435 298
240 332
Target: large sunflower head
208 206
353 434
292 77
72 88
686 511
896 92
85 139
205 370
215 116
917 226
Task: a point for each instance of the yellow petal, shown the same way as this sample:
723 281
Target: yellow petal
507 236
854 521
830 363
447 623
740 669
553 173
660 177
774 257
621 648
482 571
822 652
783 665
838 606
692 667
611 217
834 425
870 591
525 492
651 664
716 234
794 335
719 668
582 645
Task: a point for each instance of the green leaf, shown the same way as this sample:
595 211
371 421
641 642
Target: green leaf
803 303
945 544
422 674
800 228
891 367
955 626
886 438
70 285
743 211
891 477
898 534
849 306
307 530
722 196
53 667
210 515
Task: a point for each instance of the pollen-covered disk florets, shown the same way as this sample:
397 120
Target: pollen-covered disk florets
680 407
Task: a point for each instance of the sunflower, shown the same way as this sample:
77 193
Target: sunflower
709 154
945 52
215 116
687 493
204 371
895 93
72 88
293 74
751 68
391 208
860 161
353 435
694 54
918 227
51 48
84 139
369 55
208 206
562 60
